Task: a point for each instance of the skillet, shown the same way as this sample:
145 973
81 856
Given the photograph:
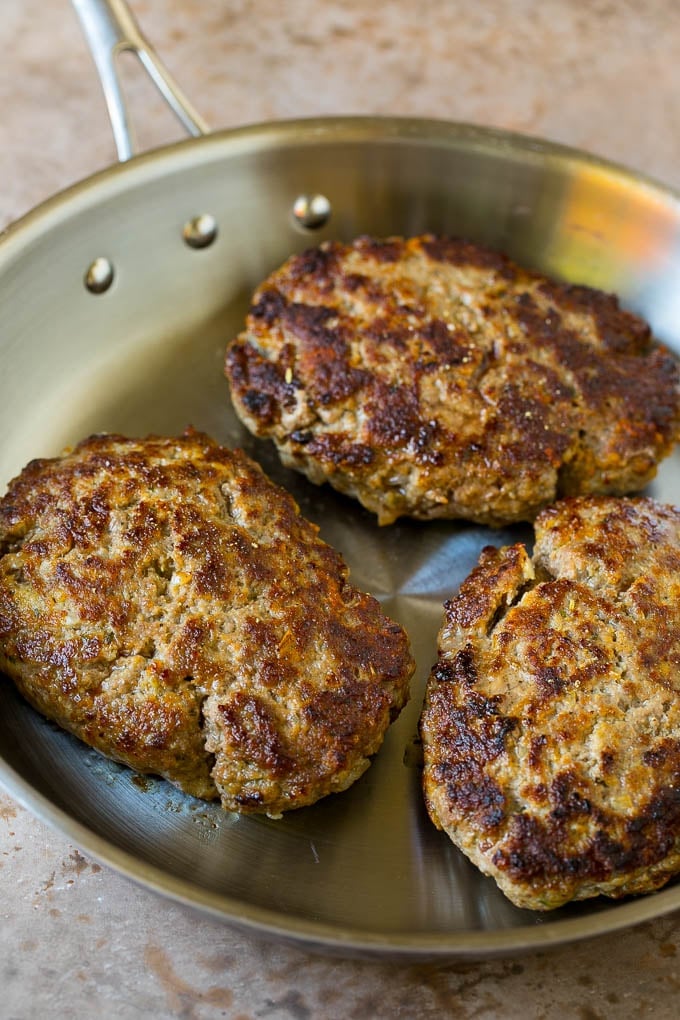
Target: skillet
145 271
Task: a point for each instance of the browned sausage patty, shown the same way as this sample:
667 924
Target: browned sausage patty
165 602
433 378
551 726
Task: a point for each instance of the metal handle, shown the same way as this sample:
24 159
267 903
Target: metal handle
111 29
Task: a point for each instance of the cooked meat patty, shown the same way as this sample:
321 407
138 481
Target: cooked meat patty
433 378
165 602
551 726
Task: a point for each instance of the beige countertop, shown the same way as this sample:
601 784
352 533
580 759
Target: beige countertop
76 939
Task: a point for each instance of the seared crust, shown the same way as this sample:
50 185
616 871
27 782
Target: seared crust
551 726
165 602
434 378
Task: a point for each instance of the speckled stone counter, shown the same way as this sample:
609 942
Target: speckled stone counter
76 939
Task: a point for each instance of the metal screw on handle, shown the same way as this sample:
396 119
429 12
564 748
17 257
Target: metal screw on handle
111 29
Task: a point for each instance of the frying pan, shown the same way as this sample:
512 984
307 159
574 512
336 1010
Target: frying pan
117 299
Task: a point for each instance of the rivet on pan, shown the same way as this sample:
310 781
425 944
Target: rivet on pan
311 211
99 276
201 231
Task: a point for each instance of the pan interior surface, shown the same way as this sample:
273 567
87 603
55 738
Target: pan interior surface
365 869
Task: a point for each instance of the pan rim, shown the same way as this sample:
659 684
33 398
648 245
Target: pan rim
329 938
118 177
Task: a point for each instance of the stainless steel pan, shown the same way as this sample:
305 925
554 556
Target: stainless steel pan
117 298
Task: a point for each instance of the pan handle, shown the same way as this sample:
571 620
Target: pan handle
110 29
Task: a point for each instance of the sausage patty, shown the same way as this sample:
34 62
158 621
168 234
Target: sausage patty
165 602
551 726
434 378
